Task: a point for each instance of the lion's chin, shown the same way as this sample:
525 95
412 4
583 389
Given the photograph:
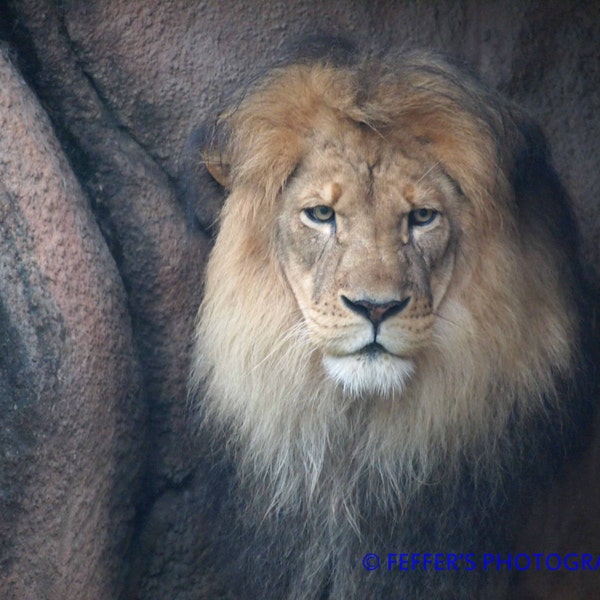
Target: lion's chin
369 373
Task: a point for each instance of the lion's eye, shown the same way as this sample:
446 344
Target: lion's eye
422 216
320 214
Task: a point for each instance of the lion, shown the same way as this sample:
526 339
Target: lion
390 354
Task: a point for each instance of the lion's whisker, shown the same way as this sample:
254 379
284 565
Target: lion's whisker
433 166
296 332
447 320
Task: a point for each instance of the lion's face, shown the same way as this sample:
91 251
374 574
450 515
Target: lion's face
365 239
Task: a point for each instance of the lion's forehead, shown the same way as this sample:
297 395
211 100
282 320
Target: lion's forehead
371 177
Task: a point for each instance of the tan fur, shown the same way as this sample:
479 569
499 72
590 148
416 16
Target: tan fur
489 325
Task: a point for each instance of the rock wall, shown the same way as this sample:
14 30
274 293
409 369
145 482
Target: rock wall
101 493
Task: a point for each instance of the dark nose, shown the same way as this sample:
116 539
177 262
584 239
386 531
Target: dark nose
376 312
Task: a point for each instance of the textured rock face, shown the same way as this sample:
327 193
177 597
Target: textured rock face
69 381
101 494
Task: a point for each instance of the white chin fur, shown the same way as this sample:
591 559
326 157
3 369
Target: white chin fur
359 374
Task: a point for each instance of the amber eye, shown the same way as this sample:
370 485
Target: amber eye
320 214
422 216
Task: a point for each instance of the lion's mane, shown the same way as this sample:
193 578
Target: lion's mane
501 388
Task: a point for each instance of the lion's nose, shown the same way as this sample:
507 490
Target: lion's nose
376 312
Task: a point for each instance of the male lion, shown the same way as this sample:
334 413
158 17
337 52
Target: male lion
391 344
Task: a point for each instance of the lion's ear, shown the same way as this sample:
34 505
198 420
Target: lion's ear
218 166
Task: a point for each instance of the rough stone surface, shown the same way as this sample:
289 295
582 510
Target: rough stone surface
69 380
101 492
